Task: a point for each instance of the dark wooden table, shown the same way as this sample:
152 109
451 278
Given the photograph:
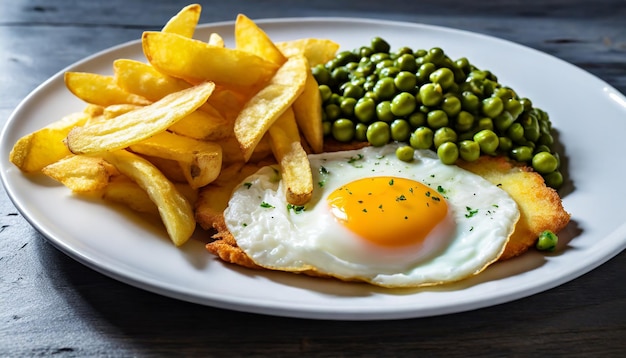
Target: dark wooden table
50 305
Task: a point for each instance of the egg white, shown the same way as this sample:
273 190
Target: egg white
278 236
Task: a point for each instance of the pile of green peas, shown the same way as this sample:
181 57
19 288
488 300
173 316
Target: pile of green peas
426 100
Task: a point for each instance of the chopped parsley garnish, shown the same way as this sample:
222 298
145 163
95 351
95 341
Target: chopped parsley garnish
296 208
391 182
266 205
354 159
247 185
440 189
470 212
401 198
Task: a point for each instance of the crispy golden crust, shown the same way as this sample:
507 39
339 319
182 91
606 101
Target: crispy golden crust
540 209
540 206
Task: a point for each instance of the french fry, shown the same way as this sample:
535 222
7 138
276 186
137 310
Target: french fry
144 80
216 40
115 110
122 190
201 161
184 22
317 51
100 89
81 174
203 126
196 61
269 103
133 127
308 112
250 38
174 209
45 146
293 160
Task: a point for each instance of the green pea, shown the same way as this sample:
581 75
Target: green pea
353 91
403 104
504 93
437 119
492 107
365 51
417 119
422 138
344 57
526 103
405 153
444 76
463 64
325 93
424 71
406 62
378 44
389 71
516 133
383 111
405 81
464 121
514 107
487 140
485 123
360 131
469 150
435 55
431 94
448 153
365 110
531 128
321 74
554 179
444 134
505 144
347 106
547 241
469 101
545 139
379 56
385 88
544 162
400 130
503 121
523 153
378 133
343 130
451 105
327 127
332 111
340 75
365 68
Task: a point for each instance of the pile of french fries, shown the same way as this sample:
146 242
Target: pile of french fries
172 136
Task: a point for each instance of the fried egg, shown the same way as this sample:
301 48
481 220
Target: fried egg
376 219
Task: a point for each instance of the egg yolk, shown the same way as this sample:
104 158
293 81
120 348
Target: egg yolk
388 211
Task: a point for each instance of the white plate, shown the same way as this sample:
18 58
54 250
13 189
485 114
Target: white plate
590 117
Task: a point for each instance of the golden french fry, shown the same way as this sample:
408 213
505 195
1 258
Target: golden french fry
81 173
45 146
216 40
174 209
185 21
100 89
250 38
269 103
144 80
203 126
294 163
115 110
93 110
201 161
308 113
133 127
170 168
317 51
196 61
122 190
